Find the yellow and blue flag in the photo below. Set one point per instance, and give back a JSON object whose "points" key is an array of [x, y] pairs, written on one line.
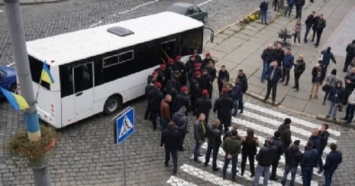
{"points": [[46, 75], [17, 101]]}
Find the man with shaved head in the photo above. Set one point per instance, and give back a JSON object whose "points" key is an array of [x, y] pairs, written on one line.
{"points": [[267, 57]]}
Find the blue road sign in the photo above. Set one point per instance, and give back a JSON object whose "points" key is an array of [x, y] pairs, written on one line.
{"points": [[124, 125]]}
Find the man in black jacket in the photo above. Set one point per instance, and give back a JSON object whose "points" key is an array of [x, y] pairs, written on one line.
{"points": [[180, 66], [170, 89], [350, 54], [199, 135], [293, 159], [265, 158], [170, 141], [276, 141], [309, 24], [195, 89], [321, 24], [244, 82], [205, 81], [203, 105], [323, 136], [148, 89], [334, 158], [162, 75], [300, 67], [264, 5], [214, 142], [308, 161], [299, 5], [154, 99], [182, 99], [180, 120], [285, 131], [175, 80], [222, 75], [212, 72], [314, 26], [279, 54], [223, 106], [267, 56]]}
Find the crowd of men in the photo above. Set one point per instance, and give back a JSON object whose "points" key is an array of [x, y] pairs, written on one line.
{"points": [[175, 89]]}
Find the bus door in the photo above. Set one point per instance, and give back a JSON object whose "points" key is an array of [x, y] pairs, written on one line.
{"points": [[83, 90], [168, 50]]}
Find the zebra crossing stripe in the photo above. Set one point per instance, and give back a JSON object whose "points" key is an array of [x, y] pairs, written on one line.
{"points": [[267, 130], [276, 123], [283, 116], [175, 181], [204, 175]]}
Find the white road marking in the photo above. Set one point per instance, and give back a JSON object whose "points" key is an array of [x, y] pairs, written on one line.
{"points": [[175, 181], [139, 6], [96, 24], [205, 2], [277, 124], [283, 116], [268, 130], [204, 175]]}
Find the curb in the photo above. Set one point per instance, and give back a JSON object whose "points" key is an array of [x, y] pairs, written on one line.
{"points": [[337, 122], [261, 98], [34, 2]]}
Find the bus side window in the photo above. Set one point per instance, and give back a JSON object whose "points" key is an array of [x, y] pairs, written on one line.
{"points": [[66, 80], [83, 77]]}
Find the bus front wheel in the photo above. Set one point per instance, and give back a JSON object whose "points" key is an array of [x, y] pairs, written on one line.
{"points": [[112, 104]]}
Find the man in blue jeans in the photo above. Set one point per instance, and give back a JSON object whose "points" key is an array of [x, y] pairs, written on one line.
{"points": [[267, 56], [214, 141], [265, 157], [334, 158], [199, 135], [231, 146], [289, 8], [308, 161], [293, 158], [264, 6]]}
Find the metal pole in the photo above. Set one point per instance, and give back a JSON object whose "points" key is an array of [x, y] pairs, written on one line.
{"points": [[41, 175], [124, 163]]}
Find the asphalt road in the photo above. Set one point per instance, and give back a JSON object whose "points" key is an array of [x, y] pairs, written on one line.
{"points": [[45, 20]]}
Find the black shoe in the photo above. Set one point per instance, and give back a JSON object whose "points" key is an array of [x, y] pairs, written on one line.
{"points": [[174, 172], [344, 118], [327, 116], [223, 177], [216, 169], [282, 80], [197, 161], [312, 40], [285, 84], [181, 149], [273, 102], [334, 119], [241, 112], [187, 132], [305, 41], [262, 81], [296, 90], [320, 171], [204, 164], [315, 45], [200, 155], [293, 87], [166, 164], [274, 179], [252, 175]]}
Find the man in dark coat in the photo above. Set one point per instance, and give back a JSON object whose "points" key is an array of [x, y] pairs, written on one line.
{"points": [[211, 70], [274, 73], [199, 135], [195, 89], [279, 54], [151, 77], [287, 64], [293, 159], [265, 157], [182, 99], [235, 95], [180, 66], [327, 55], [300, 67], [350, 54], [267, 56], [190, 66], [223, 74], [244, 82], [169, 69], [181, 120], [264, 6], [170, 141], [223, 106], [334, 158], [308, 161], [276, 141], [205, 81], [148, 89], [321, 24], [207, 60], [309, 23], [314, 26], [214, 142], [299, 6], [169, 89], [323, 136], [175, 80], [203, 105], [349, 84], [285, 131], [162, 75], [154, 99]]}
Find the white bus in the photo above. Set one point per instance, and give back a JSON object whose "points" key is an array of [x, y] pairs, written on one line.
{"points": [[98, 69]]}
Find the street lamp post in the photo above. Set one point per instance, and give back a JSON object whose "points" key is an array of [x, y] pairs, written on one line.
{"points": [[40, 170]]}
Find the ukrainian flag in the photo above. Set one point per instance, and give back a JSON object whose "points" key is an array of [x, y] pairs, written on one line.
{"points": [[46, 75], [17, 101]]}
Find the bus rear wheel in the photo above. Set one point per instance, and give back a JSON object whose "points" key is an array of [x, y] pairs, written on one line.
{"points": [[112, 104]]}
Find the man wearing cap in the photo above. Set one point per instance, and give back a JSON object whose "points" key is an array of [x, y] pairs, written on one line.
{"points": [[154, 99], [162, 75], [276, 141], [207, 60], [182, 99], [148, 89], [223, 74], [203, 105], [195, 88], [151, 77], [190, 66], [274, 73], [180, 66], [285, 131], [293, 159], [223, 106]]}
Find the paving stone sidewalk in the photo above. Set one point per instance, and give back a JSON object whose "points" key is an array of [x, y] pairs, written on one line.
{"points": [[240, 47]]}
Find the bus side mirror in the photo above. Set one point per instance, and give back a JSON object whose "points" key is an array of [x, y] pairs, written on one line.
{"points": [[212, 38]]}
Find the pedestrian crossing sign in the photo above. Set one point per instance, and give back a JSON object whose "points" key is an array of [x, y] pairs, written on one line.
{"points": [[124, 125]]}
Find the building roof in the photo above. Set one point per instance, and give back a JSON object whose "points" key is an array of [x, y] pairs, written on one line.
{"points": [[82, 44]]}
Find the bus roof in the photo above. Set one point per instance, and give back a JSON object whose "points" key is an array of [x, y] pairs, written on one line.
{"points": [[82, 44]]}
